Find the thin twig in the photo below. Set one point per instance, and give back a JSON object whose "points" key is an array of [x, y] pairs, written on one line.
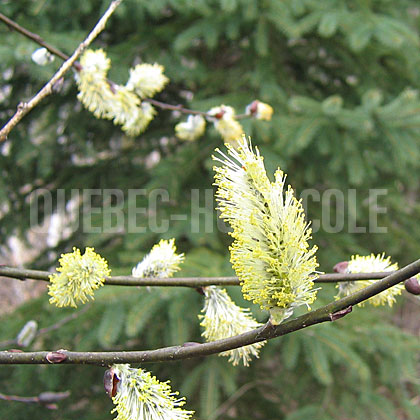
{"points": [[23, 274], [180, 108], [45, 398], [55, 326], [24, 108], [62, 321], [53, 50], [189, 350], [34, 37], [235, 397]]}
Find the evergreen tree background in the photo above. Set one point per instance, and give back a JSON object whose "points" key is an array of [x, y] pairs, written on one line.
{"points": [[343, 79]]}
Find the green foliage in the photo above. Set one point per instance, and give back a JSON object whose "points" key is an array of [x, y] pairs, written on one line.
{"points": [[343, 80]]}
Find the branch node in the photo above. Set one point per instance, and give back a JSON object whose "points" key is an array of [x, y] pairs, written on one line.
{"points": [[58, 85], [267, 328], [22, 106]]}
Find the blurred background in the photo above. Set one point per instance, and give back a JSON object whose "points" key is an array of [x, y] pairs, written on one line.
{"points": [[343, 79]]}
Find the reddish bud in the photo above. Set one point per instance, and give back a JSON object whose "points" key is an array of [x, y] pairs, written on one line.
{"points": [[253, 107], [219, 114], [340, 314], [341, 267], [56, 356], [190, 344], [412, 285], [110, 382], [77, 66]]}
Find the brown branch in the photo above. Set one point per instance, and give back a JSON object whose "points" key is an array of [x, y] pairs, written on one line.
{"points": [[23, 274], [53, 50], [24, 108], [45, 398], [62, 321], [55, 326], [180, 108], [34, 37], [189, 350], [235, 397]]}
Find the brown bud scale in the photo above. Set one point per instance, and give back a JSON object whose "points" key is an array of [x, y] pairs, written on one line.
{"points": [[341, 267], [111, 382], [56, 356], [412, 285]]}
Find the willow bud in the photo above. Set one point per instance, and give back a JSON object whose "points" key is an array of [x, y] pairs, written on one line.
{"points": [[341, 267], [110, 382], [412, 285]]}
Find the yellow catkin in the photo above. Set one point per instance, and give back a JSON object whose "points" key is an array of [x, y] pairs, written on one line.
{"points": [[270, 253], [223, 319], [370, 264], [79, 276]]}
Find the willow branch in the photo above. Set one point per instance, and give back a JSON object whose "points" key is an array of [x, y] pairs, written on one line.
{"points": [[182, 109], [330, 312], [32, 36], [45, 398], [179, 108], [25, 274], [55, 51], [23, 108], [57, 325], [235, 397]]}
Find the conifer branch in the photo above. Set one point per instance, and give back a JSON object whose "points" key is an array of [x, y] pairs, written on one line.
{"points": [[25, 274], [329, 312], [25, 107]]}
